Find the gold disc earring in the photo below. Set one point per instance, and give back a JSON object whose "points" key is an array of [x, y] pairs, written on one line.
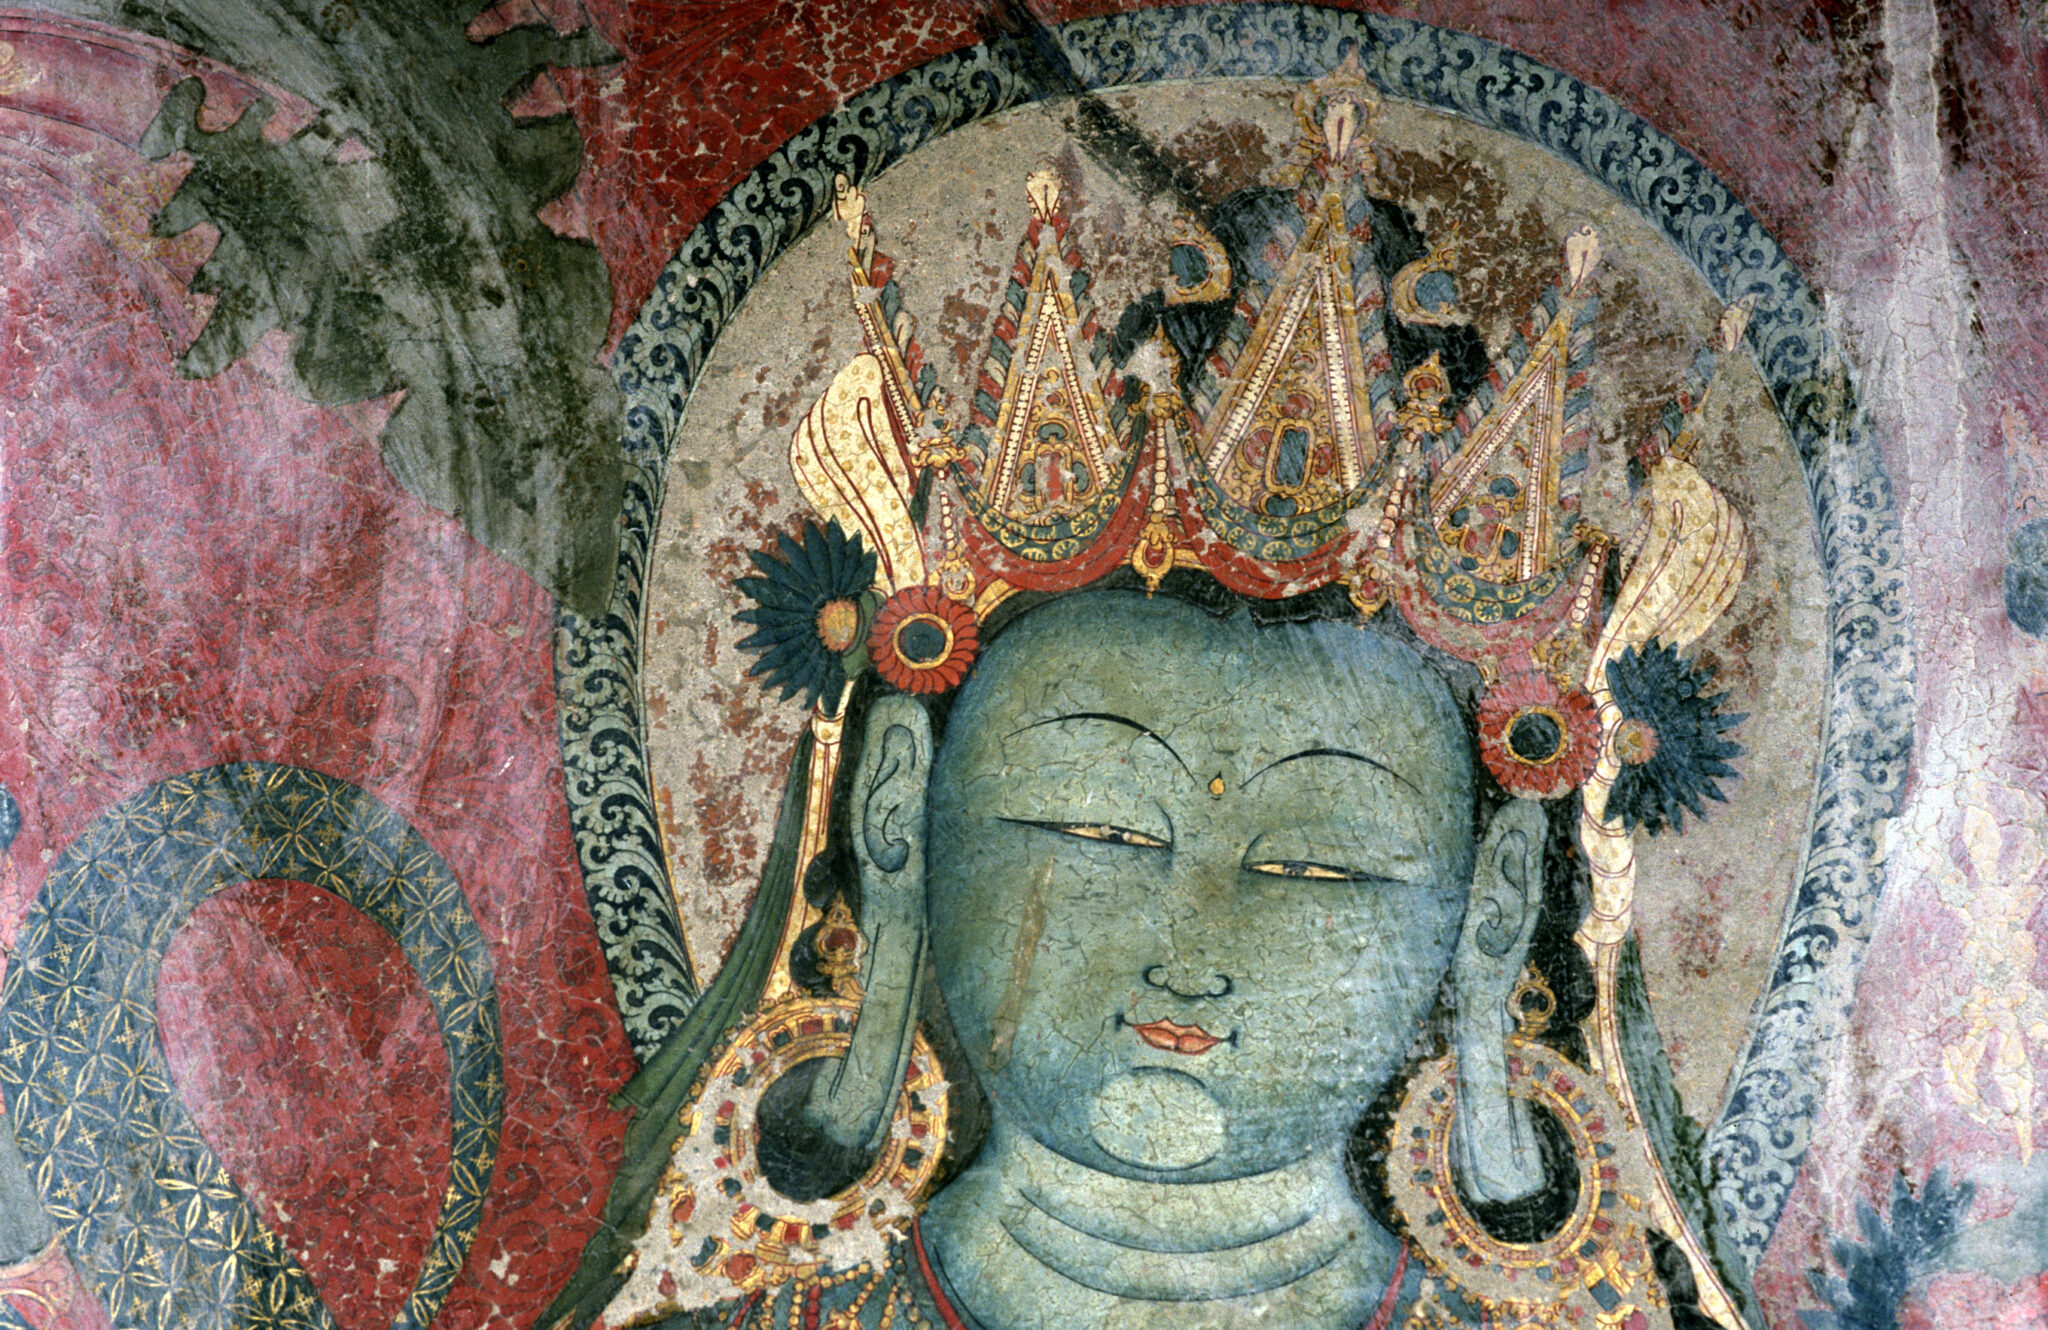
{"points": [[719, 1228], [1594, 1272]]}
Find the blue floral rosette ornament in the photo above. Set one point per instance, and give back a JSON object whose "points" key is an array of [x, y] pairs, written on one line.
{"points": [[810, 614], [1672, 739]]}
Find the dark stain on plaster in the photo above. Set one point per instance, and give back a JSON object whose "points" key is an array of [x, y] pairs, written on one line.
{"points": [[1151, 173], [1957, 95], [1224, 154], [413, 263]]}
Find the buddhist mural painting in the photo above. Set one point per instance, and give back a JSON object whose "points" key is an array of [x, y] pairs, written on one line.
{"points": [[1240, 699], [1258, 669]]}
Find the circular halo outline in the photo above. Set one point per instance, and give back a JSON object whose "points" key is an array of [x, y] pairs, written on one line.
{"points": [[1761, 1133]]}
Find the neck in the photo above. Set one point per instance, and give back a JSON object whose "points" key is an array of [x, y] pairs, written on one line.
{"points": [[1029, 1237]]}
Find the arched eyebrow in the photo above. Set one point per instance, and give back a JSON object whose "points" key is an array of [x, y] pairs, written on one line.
{"points": [[1330, 752], [1125, 721]]}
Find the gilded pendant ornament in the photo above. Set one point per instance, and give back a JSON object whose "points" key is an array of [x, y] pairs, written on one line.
{"points": [[717, 1213], [1594, 1272]]}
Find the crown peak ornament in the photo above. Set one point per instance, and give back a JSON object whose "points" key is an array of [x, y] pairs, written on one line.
{"points": [[1304, 444], [1581, 254], [1289, 453], [1042, 187], [1336, 111]]}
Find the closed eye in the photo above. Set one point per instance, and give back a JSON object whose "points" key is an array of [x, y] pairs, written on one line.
{"points": [[1296, 868], [1101, 831]]}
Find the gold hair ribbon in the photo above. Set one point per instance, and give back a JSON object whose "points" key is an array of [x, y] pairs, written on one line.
{"points": [[851, 468], [1689, 556]]}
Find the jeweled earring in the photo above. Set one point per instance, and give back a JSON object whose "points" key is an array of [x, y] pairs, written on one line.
{"points": [[718, 1227], [1595, 1270]]}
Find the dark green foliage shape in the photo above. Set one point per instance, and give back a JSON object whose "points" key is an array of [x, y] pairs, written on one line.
{"points": [[1897, 1251], [1680, 1143], [422, 267]]}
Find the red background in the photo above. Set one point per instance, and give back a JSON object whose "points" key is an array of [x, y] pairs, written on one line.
{"points": [[204, 572]]}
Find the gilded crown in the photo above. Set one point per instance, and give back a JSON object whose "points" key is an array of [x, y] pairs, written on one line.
{"points": [[1291, 453], [1286, 450]]}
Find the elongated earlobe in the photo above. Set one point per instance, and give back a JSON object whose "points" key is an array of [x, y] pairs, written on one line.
{"points": [[848, 1108], [1507, 896], [1497, 1144], [890, 790]]}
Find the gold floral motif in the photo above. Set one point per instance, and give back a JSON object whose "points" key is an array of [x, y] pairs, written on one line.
{"points": [[1425, 390], [16, 74], [1401, 298]]}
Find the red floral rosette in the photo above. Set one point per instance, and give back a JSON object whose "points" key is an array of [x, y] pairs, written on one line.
{"points": [[923, 641], [1537, 739]]}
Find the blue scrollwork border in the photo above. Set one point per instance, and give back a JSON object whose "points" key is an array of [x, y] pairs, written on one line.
{"points": [[1762, 1133]]}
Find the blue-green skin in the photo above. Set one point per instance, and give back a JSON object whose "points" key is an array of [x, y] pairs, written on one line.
{"points": [[1329, 980], [1071, 877]]}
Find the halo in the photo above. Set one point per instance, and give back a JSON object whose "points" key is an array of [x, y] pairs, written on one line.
{"points": [[1761, 1136]]}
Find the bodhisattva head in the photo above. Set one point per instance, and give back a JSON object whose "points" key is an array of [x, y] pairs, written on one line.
{"points": [[1194, 882]]}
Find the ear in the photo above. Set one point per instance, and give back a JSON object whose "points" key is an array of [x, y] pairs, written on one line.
{"points": [[889, 796], [1505, 902], [1498, 1156]]}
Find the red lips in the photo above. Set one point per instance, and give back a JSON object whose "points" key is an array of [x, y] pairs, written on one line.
{"points": [[1189, 1039]]}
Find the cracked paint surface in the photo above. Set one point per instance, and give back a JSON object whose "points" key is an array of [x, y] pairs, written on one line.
{"points": [[208, 571]]}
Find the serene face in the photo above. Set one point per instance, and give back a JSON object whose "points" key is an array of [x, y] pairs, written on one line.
{"points": [[1194, 882]]}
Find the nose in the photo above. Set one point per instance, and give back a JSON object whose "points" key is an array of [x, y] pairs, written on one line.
{"points": [[1186, 985]]}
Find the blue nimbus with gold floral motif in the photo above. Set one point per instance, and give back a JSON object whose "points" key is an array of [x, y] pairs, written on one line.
{"points": [[158, 1228]]}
